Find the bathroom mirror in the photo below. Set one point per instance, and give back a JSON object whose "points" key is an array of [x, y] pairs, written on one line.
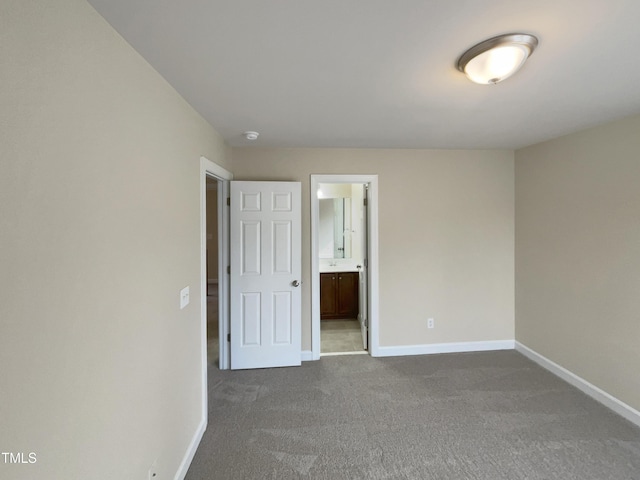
{"points": [[335, 227]]}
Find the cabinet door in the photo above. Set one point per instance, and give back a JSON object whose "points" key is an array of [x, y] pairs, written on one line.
{"points": [[327, 294], [347, 294]]}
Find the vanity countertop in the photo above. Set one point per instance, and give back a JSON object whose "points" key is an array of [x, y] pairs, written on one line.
{"points": [[337, 268]]}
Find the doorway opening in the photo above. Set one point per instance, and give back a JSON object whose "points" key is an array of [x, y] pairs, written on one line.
{"points": [[214, 254], [212, 288], [344, 264], [342, 244]]}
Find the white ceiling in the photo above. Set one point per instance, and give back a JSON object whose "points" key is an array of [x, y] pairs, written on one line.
{"points": [[381, 73]]}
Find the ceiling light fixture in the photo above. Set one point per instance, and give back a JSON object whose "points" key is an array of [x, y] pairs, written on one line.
{"points": [[493, 60], [251, 135]]}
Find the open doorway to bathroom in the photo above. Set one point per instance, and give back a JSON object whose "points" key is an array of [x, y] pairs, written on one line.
{"points": [[342, 257], [362, 264]]}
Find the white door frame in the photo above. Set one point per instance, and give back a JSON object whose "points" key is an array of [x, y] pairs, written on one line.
{"points": [[372, 257], [210, 169]]}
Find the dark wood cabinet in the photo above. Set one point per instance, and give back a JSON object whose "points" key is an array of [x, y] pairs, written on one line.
{"points": [[339, 295]]}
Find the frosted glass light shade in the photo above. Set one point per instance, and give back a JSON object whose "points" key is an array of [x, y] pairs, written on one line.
{"points": [[498, 58]]}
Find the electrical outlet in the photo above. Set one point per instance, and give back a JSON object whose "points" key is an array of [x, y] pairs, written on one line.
{"points": [[184, 297], [430, 323], [153, 471]]}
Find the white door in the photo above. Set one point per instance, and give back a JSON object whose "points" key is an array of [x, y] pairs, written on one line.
{"points": [[364, 274], [265, 272]]}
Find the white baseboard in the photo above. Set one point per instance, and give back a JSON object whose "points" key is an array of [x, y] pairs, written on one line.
{"points": [[445, 348], [191, 451], [307, 355], [580, 383]]}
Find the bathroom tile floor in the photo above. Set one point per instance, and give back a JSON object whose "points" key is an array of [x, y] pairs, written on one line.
{"points": [[338, 336]]}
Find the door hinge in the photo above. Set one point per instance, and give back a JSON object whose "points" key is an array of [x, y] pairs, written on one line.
{"points": [[228, 337], [228, 201], [365, 202], [366, 263], [229, 270]]}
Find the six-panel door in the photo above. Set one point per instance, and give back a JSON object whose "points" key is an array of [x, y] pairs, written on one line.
{"points": [[266, 263]]}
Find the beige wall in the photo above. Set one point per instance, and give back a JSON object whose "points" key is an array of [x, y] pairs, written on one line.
{"points": [[578, 254], [99, 231], [446, 236]]}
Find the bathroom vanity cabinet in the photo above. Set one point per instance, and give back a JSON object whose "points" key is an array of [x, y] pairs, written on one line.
{"points": [[339, 295]]}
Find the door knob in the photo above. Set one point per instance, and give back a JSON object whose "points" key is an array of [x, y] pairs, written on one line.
{"points": [[295, 283]]}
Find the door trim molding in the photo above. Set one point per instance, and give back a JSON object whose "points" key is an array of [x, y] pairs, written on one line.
{"points": [[210, 169], [372, 180]]}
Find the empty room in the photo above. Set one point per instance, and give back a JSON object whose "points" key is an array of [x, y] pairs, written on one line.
{"points": [[359, 240]]}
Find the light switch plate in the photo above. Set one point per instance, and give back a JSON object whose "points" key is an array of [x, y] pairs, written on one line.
{"points": [[184, 297]]}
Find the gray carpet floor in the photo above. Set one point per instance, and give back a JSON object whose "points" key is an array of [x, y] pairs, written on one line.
{"points": [[490, 415]]}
